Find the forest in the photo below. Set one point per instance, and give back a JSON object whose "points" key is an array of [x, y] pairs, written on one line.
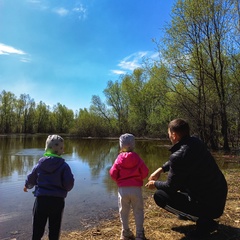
{"points": [[195, 76]]}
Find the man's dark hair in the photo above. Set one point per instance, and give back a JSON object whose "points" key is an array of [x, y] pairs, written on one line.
{"points": [[179, 126]]}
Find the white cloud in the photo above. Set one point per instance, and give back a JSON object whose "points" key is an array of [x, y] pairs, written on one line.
{"points": [[77, 10], [130, 62], [118, 72], [42, 5], [25, 60], [128, 65], [133, 61], [61, 11], [7, 50], [155, 56], [81, 11]]}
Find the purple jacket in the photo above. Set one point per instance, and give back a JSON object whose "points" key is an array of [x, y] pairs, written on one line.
{"points": [[128, 170], [52, 176]]}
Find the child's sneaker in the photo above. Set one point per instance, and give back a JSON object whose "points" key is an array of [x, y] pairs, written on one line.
{"points": [[140, 236], [127, 235]]}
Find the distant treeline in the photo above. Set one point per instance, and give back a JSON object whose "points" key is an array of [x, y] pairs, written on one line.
{"points": [[196, 76]]}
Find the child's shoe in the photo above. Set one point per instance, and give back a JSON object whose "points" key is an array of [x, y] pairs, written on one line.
{"points": [[140, 236], [127, 235]]}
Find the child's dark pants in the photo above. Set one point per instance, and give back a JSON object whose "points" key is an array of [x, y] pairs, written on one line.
{"points": [[51, 209]]}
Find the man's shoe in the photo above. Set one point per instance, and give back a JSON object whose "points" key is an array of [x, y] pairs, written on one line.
{"points": [[204, 229], [183, 218]]}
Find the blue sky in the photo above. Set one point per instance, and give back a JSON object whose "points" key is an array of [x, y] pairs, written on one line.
{"points": [[65, 51]]}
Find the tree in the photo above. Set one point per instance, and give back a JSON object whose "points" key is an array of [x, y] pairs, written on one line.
{"points": [[158, 99], [42, 118], [27, 110], [198, 43], [115, 98], [134, 88], [7, 112], [90, 124], [62, 118], [100, 108]]}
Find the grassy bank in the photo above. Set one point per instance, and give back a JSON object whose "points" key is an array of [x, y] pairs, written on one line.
{"points": [[162, 225]]}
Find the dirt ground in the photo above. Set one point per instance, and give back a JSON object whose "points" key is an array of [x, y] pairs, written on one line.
{"points": [[159, 224]]}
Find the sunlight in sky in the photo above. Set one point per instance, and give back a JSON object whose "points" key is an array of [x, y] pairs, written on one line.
{"points": [[66, 51]]}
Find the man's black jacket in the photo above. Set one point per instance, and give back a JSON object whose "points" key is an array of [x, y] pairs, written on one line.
{"points": [[191, 168]]}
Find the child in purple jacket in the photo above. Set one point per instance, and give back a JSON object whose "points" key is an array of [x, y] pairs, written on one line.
{"points": [[128, 171], [52, 179]]}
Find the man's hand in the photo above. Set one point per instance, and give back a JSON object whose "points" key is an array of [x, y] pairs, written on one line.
{"points": [[150, 184], [155, 175], [25, 189]]}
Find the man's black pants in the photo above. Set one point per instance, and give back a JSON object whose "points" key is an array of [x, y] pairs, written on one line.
{"points": [[181, 204], [51, 209]]}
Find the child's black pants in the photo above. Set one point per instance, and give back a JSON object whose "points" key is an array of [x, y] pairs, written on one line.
{"points": [[51, 209]]}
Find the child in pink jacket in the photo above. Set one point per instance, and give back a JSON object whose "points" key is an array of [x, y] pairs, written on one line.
{"points": [[128, 171]]}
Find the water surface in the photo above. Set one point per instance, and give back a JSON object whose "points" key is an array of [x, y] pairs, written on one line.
{"points": [[94, 196]]}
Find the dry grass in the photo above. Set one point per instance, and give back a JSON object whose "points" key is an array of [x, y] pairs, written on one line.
{"points": [[162, 225]]}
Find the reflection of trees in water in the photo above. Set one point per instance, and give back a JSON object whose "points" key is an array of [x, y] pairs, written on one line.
{"points": [[98, 153], [12, 156], [153, 152], [20, 153]]}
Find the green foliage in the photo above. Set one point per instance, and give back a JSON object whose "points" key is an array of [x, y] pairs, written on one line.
{"points": [[42, 118], [137, 102], [116, 99], [197, 77], [89, 124], [202, 51], [23, 115], [7, 113], [62, 118]]}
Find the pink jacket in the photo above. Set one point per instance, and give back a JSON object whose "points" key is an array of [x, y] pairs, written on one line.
{"points": [[129, 170]]}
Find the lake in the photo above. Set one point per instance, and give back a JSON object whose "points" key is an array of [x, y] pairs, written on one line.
{"points": [[94, 196]]}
